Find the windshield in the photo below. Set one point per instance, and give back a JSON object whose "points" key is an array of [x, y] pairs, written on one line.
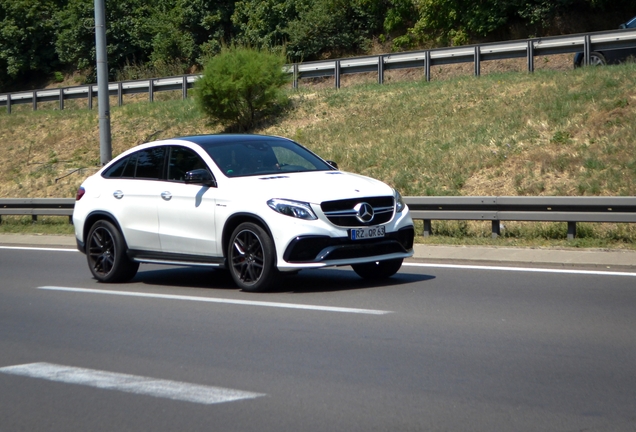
{"points": [[258, 157]]}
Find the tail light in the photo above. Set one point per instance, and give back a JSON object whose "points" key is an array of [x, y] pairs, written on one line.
{"points": [[80, 193]]}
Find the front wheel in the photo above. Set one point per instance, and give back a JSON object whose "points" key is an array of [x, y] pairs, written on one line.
{"points": [[106, 254], [597, 59], [378, 269], [252, 258]]}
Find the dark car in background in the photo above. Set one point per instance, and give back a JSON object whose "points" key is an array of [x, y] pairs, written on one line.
{"points": [[613, 56]]}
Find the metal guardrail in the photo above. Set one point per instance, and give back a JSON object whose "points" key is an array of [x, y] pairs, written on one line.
{"points": [[37, 207], [528, 48], [511, 208], [492, 208]]}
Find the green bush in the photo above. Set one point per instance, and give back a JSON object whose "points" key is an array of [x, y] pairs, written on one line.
{"points": [[241, 86]]}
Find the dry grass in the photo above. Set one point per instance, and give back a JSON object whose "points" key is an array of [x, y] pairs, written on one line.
{"points": [[555, 132]]}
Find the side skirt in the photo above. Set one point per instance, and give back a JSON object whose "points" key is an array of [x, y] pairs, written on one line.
{"points": [[175, 259]]}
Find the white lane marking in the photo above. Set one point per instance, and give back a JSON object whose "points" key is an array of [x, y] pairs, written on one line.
{"points": [[219, 300], [521, 269], [38, 248], [160, 388]]}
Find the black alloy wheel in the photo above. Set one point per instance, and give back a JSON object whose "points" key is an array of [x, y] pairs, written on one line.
{"points": [[106, 254], [379, 269], [252, 258]]}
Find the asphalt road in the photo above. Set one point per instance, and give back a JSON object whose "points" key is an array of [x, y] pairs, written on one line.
{"points": [[433, 349]]}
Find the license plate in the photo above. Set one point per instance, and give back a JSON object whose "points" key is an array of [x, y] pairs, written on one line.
{"points": [[367, 233]]}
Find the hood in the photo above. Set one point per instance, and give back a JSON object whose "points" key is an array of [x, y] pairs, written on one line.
{"points": [[312, 187]]}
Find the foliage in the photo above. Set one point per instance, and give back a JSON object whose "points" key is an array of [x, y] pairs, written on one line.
{"points": [[38, 37], [333, 28], [190, 31], [241, 85], [27, 28], [129, 33]]}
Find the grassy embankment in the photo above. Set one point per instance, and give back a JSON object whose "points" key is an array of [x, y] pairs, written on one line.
{"points": [[548, 133]]}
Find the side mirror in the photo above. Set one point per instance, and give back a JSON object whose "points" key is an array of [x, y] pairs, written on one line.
{"points": [[201, 177], [333, 164], [622, 26]]}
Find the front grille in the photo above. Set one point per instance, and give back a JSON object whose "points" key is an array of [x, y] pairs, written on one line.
{"points": [[343, 212]]}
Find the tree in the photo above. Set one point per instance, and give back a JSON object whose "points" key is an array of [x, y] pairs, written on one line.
{"points": [[27, 29], [129, 32], [242, 85]]}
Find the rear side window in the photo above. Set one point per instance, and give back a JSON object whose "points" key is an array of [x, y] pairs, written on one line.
{"points": [[144, 164], [117, 169]]}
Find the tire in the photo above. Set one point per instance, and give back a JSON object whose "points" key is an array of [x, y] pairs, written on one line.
{"points": [[597, 59], [252, 258], [378, 269], [106, 254]]}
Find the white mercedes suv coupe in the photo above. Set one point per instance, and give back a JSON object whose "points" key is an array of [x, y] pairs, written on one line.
{"points": [[257, 205]]}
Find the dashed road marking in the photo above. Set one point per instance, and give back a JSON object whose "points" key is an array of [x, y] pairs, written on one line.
{"points": [[219, 300], [141, 385]]}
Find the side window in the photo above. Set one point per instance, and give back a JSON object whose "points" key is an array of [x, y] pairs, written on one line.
{"points": [[117, 169], [129, 171], [181, 161], [150, 163], [123, 168]]}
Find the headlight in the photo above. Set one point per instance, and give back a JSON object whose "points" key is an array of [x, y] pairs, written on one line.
{"points": [[399, 202], [297, 209]]}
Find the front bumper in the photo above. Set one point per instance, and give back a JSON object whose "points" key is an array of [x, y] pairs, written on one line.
{"points": [[324, 249]]}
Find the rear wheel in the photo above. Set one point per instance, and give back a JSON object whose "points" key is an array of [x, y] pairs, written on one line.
{"points": [[252, 258], [106, 254], [378, 269]]}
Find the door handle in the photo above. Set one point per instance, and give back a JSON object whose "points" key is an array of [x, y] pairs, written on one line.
{"points": [[118, 194], [166, 195]]}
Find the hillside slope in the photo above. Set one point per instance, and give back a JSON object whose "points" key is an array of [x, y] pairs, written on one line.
{"points": [[547, 133]]}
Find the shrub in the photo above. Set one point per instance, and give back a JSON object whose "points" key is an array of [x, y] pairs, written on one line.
{"points": [[242, 85]]}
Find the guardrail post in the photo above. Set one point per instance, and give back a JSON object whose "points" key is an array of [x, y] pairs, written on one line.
{"points": [[587, 50], [571, 230], [477, 61], [61, 99], [496, 229], [8, 103], [35, 100], [381, 69], [295, 76], [34, 218], [530, 56], [90, 96], [120, 94], [336, 74], [151, 90], [428, 228], [427, 65], [184, 87]]}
